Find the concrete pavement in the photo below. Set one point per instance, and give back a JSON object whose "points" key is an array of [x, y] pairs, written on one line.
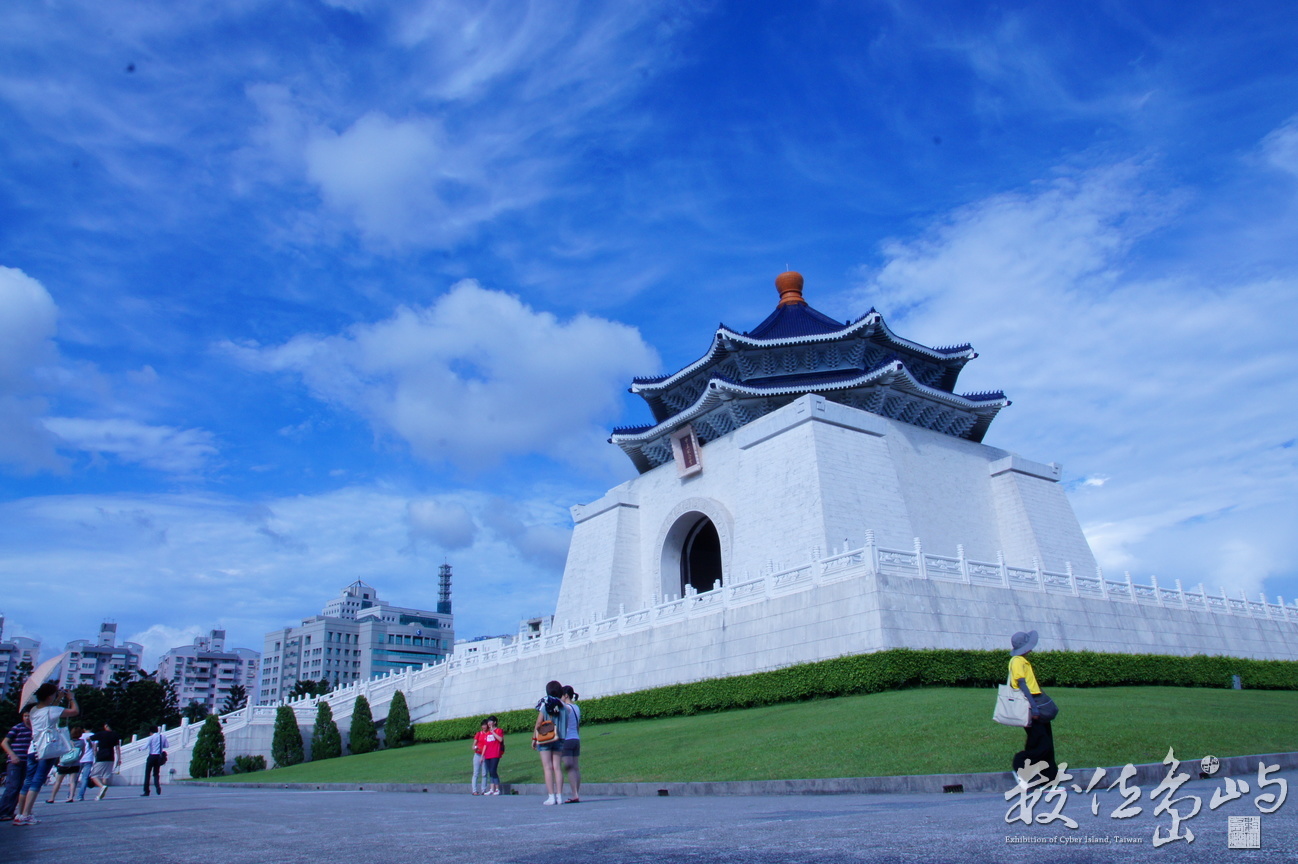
{"points": [[247, 826]]}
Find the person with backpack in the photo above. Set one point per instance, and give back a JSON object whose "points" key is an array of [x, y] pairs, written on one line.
{"points": [[492, 749], [547, 736], [571, 746], [69, 766], [48, 744]]}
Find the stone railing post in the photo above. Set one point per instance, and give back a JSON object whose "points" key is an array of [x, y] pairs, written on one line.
{"points": [[1225, 601], [1158, 594], [1005, 573], [1266, 606], [919, 560], [1180, 592], [964, 563], [1072, 579], [1104, 586], [1041, 577], [1131, 589], [871, 552]]}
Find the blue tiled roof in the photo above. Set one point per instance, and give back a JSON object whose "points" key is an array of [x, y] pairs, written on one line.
{"points": [[796, 319]]}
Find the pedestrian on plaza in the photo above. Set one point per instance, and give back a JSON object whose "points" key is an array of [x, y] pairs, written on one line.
{"points": [[479, 761], [52, 705], [571, 748], [108, 758], [87, 765], [493, 748], [1040, 746], [548, 734], [156, 759], [16, 743], [69, 767]]}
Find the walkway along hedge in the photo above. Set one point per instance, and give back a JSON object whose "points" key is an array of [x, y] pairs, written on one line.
{"points": [[896, 669]]}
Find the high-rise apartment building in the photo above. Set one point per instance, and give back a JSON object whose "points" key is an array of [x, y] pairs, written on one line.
{"points": [[13, 653], [357, 636], [95, 663], [206, 671]]}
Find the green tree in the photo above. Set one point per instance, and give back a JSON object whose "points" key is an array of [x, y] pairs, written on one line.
{"points": [[363, 738], [286, 742], [195, 711], [399, 731], [307, 687], [146, 704], [326, 741], [235, 699], [209, 750], [10, 710]]}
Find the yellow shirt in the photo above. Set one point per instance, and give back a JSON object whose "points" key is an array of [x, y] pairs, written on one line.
{"points": [[1021, 668]]}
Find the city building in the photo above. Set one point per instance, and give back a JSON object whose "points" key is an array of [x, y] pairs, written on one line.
{"points": [[528, 629], [95, 663], [13, 653], [206, 671], [357, 636]]}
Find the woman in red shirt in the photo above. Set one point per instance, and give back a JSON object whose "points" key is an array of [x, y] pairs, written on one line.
{"points": [[493, 748]]}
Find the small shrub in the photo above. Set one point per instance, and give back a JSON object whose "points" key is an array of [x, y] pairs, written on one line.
{"points": [[286, 743], [208, 759], [363, 737], [248, 764], [326, 741], [398, 724]]}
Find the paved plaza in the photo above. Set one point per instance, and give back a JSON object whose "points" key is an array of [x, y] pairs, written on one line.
{"points": [[233, 826]]}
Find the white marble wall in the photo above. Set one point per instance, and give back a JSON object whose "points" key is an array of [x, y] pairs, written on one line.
{"points": [[814, 475]]}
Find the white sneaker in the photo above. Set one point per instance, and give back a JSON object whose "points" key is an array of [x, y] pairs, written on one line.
{"points": [[549, 799]]}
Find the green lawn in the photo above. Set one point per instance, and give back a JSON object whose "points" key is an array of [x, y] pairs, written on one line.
{"points": [[925, 731]]}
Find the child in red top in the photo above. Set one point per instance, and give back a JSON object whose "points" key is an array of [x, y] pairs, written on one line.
{"points": [[493, 748], [479, 761]]}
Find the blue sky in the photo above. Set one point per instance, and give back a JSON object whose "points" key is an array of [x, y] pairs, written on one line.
{"points": [[295, 293]]}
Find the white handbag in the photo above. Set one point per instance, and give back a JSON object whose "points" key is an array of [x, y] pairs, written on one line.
{"points": [[1012, 707]]}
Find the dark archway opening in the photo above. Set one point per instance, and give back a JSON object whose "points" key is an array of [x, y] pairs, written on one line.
{"points": [[701, 557]]}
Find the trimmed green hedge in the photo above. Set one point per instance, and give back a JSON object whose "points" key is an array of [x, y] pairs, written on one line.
{"points": [[895, 670]]}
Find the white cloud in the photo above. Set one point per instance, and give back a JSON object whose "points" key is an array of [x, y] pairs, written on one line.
{"points": [[480, 121], [178, 565], [447, 524], [1171, 395], [1280, 148], [474, 378], [164, 448], [161, 638], [28, 319], [404, 181]]}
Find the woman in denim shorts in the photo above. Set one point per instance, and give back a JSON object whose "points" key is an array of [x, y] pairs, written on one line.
{"points": [[551, 709]]}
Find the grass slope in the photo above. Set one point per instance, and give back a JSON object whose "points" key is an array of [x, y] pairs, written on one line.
{"points": [[925, 731]]}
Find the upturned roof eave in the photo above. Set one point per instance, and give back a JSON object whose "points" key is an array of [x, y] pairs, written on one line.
{"points": [[712, 394], [723, 334]]}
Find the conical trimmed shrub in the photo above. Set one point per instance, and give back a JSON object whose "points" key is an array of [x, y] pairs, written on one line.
{"points": [[326, 741], [208, 759], [286, 744], [363, 738], [398, 729]]}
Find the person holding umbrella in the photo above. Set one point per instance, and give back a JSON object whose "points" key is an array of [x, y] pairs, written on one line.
{"points": [[52, 705]]}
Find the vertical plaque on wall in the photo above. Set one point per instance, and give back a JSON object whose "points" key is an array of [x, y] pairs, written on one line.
{"points": [[687, 452]]}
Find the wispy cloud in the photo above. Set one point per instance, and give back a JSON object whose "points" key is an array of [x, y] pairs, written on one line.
{"points": [[1169, 393], [177, 565]]}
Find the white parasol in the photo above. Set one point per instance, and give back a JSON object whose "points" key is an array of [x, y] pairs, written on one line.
{"points": [[38, 676]]}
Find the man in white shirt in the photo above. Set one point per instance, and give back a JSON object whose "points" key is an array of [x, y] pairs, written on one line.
{"points": [[157, 758]]}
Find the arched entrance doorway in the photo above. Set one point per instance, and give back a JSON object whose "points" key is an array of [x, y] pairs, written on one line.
{"points": [[701, 557]]}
